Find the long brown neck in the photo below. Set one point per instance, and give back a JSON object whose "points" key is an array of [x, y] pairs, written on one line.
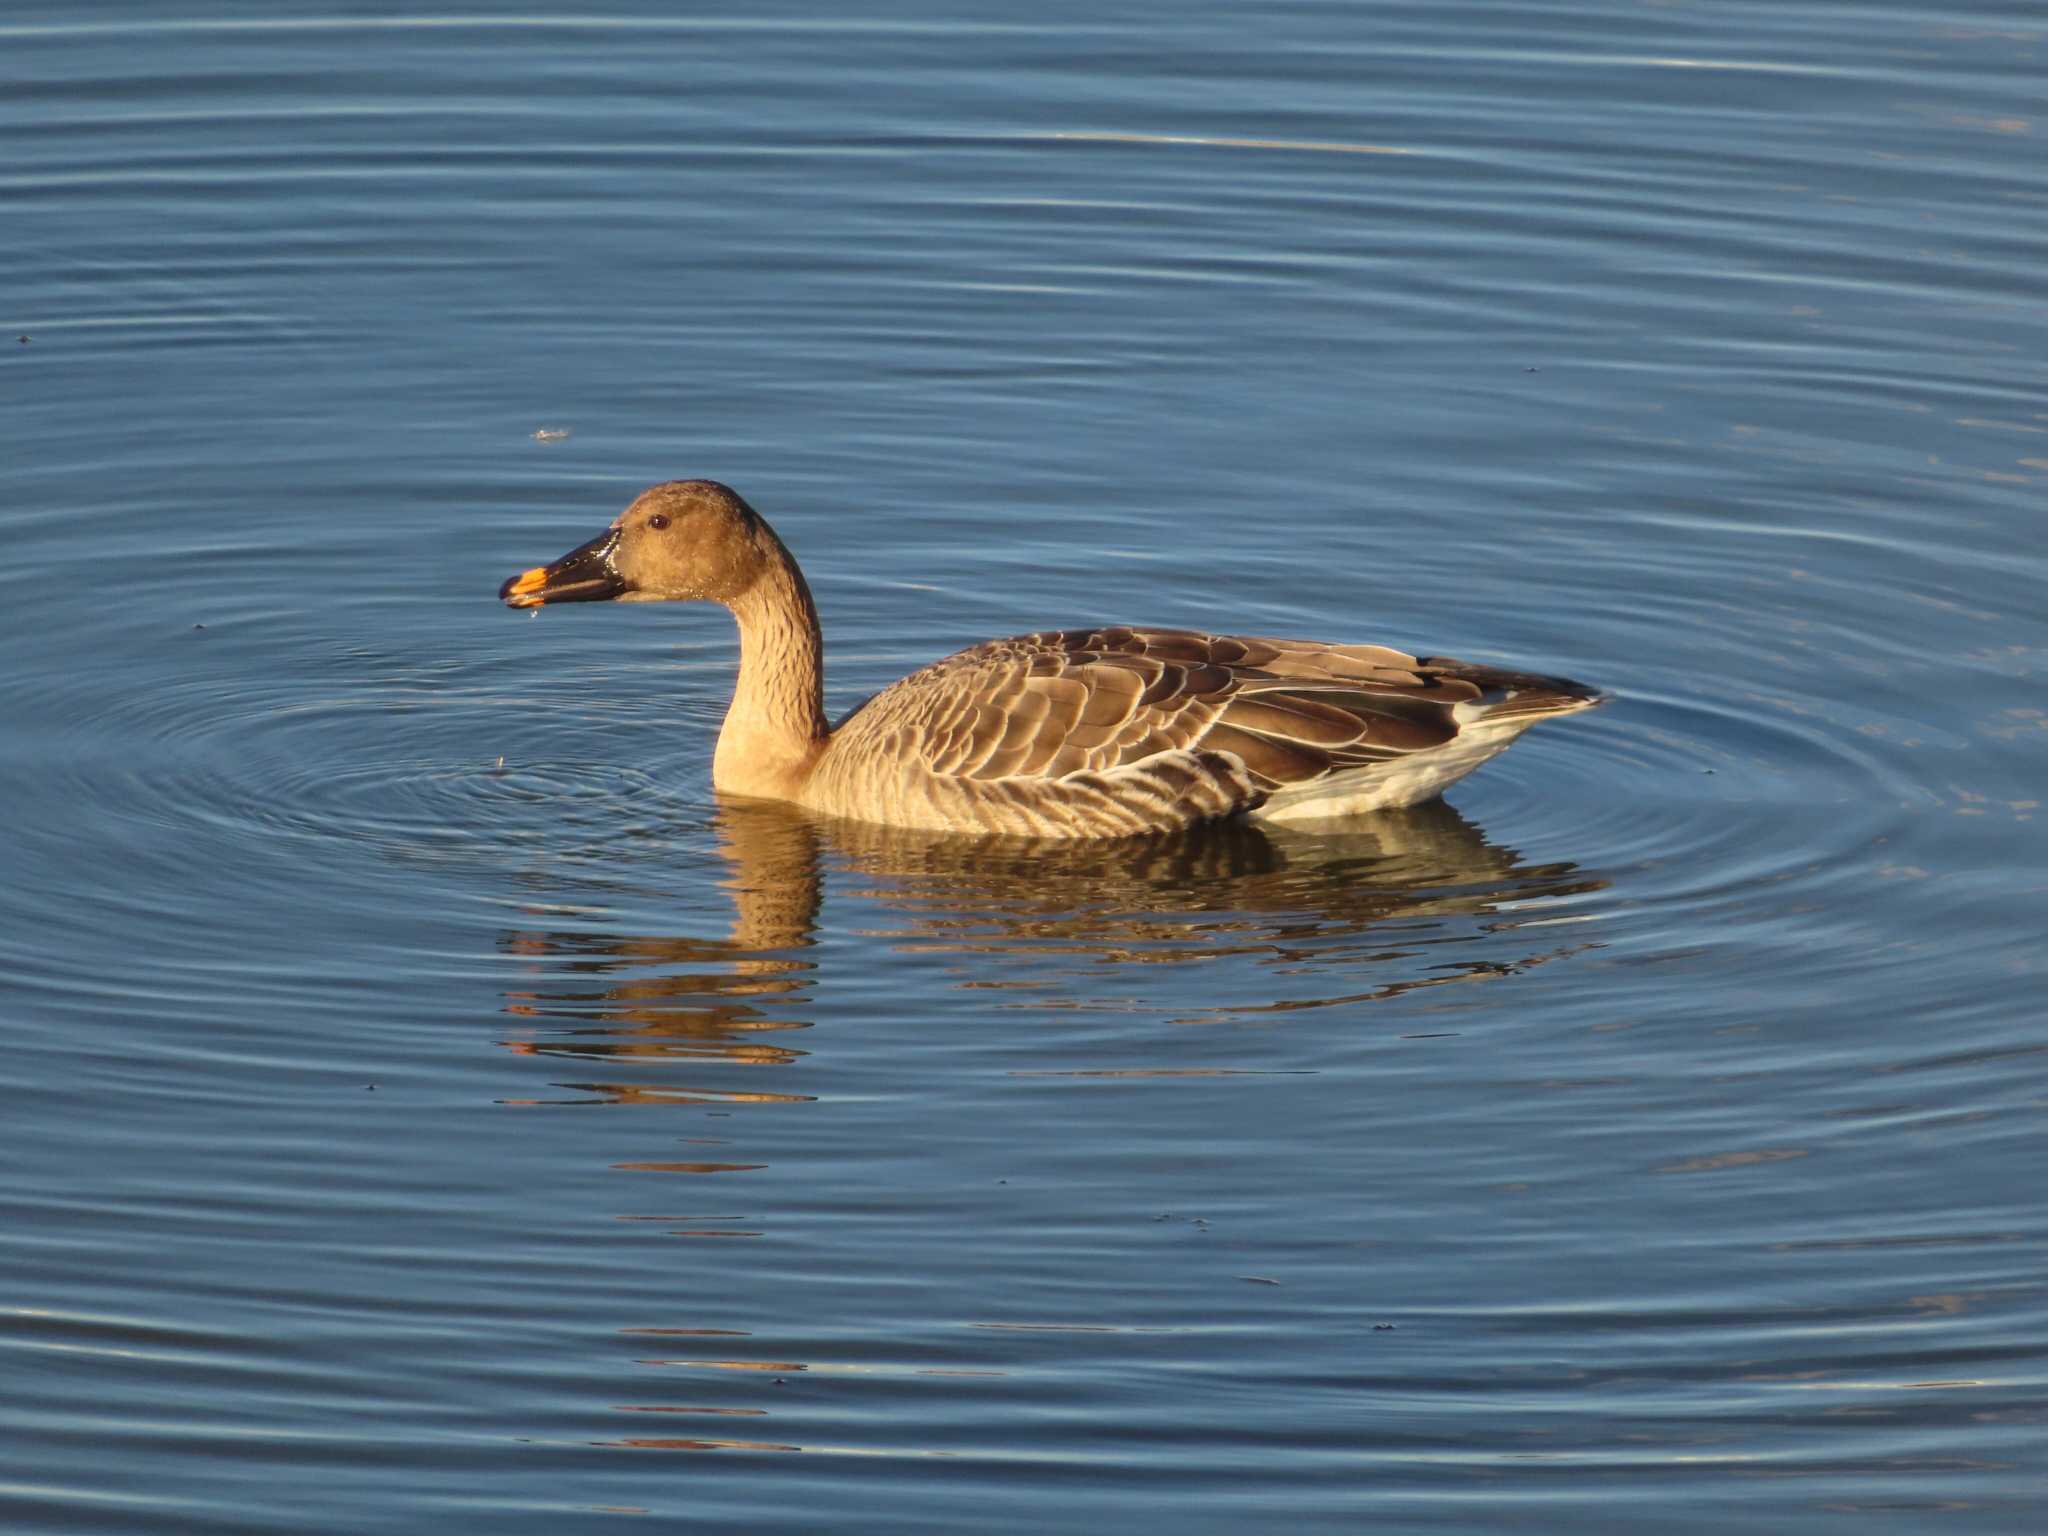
{"points": [[776, 727]]}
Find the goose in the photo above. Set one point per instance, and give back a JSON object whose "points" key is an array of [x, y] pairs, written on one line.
{"points": [[1070, 733]]}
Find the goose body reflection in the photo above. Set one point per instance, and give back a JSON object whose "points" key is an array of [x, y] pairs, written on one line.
{"points": [[1070, 734], [1411, 899]]}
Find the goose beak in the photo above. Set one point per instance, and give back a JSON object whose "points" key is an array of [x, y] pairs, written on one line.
{"points": [[584, 575]]}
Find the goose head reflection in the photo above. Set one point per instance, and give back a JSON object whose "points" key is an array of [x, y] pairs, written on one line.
{"points": [[1405, 900]]}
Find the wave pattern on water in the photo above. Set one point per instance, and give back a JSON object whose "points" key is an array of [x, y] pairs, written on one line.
{"points": [[424, 1092]]}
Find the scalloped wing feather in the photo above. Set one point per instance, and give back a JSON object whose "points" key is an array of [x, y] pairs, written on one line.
{"points": [[1158, 727]]}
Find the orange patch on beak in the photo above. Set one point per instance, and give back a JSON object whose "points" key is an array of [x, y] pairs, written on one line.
{"points": [[525, 582]]}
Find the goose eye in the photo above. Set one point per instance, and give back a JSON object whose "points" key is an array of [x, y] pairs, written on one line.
{"points": [[658, 522]]}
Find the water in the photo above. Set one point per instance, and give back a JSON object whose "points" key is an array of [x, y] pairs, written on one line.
{"points": [[429, 1108]]}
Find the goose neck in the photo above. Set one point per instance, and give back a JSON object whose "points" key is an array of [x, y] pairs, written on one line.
{"points": [[775, 727]]}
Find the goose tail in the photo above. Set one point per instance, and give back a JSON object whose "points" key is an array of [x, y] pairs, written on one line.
{"points": [[1505, 695]]}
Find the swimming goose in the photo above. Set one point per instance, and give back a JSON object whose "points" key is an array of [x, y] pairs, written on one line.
{"points": [[1068, 733]]}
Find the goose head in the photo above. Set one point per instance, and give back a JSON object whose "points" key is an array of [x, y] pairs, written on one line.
{"points": [[683, 541]]}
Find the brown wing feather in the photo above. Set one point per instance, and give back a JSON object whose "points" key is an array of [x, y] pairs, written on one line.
{"points": [[1073, 701], [1136, 728]]}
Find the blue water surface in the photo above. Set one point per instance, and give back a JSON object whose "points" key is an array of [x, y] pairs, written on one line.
{"points": [[428, 1107]]}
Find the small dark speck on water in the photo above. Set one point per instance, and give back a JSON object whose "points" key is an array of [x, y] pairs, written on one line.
{"points": [[1257, 1280], [1382, 1327], [22, 339]]}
